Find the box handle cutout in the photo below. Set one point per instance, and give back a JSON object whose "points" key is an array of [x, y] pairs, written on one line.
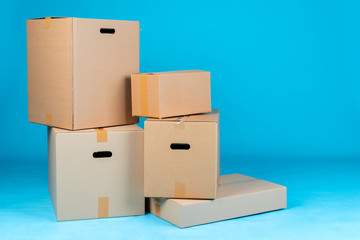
{"points": [[180, 146], [102, 154], [107, 30]]}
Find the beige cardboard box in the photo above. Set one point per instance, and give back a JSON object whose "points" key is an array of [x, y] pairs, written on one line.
{"points": [[96, 173], [238, 196], [182, 156], [79, 71], [168, 94]]}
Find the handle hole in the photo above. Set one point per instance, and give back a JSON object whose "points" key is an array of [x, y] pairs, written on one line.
{"points": [[107, 30], [180, 146], [102, 154]]}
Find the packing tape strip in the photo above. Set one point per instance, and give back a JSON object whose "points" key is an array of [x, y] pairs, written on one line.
{"points": [[144, 94], [180, 190], [47, 22], [157, 209], [101, 135], [103, 207], [48, 120]]}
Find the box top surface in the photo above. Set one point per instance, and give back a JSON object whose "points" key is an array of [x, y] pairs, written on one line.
{"points": [[131, 127], [42, 18], [213, 116], [232, 185], [176, 72]]}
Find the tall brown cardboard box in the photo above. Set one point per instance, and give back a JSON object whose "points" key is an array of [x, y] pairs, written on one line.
{"points": [[182, 156], [79, 71], [168, 94], [96, 173], [238, 196]]}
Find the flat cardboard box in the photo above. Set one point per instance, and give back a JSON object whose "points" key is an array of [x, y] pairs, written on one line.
{"points": [[182, 156], [79, 71], [168, 94], [238, 196], [96, 173]]}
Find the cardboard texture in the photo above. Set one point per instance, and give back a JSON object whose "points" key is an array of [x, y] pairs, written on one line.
{"points": [[86, 182], [189, 172], [79, 71], [238, 196], [167, 94]]}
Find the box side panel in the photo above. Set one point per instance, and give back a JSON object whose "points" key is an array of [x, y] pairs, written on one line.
{"points": [[217, 126], [145, 95], [49, 58], [169, 92], [126, 186], [184, 93], [52, 184], [76, 173], [233, 207], [180, 173], [135, 94], [167, 210], [103, 64], [195, 93], [93, 187]]}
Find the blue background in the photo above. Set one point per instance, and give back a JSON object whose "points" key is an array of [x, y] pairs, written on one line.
{"points": [[285, 75]]}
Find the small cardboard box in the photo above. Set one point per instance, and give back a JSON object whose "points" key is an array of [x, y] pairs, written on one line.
{"points": [[96, 173], [168, 94], [182, 156], [238, 196], [79, 71]]}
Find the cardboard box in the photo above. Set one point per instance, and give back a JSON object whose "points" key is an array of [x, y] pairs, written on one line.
{"points": [[238, 196], [96, 173], [182, 156], [79, 71], [167, 94]]}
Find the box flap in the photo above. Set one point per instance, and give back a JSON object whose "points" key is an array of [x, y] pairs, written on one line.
{"points": [[131, 127], [203, 117]]}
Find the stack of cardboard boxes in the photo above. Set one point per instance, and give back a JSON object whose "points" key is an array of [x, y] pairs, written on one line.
{"points": [[83, 82]]}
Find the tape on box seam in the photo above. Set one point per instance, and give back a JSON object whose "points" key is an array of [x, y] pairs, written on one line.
{"points": [[48, 120], [180, 190], [144, 94], [47, 22], [101, 135], [157, 209], [103, 207], [157, 206]]}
